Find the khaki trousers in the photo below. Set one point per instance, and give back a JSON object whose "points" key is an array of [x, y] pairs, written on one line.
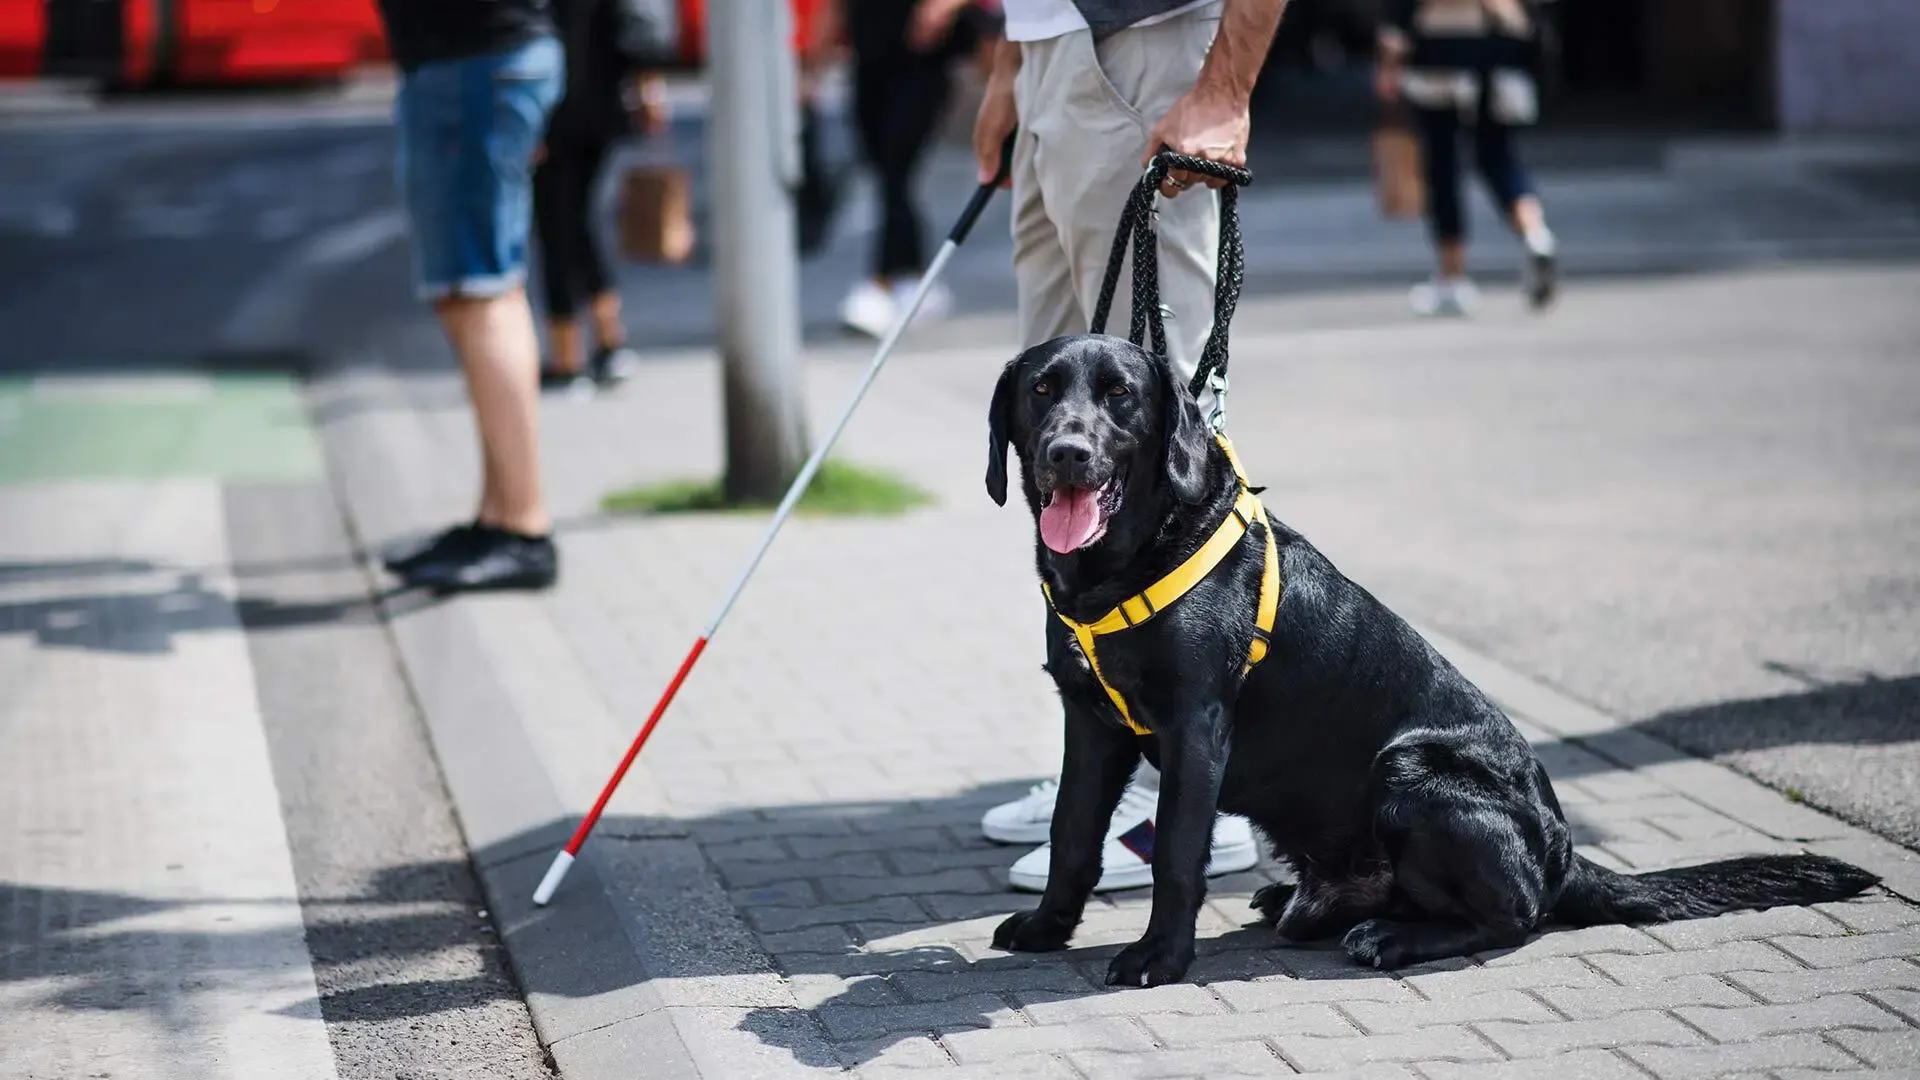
{"points": [[1085, 110]]}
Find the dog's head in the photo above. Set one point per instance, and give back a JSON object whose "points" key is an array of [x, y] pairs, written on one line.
{"points": [[1098, 423]]}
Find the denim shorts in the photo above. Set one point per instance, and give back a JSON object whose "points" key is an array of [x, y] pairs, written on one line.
{"points": [[466, 132]]}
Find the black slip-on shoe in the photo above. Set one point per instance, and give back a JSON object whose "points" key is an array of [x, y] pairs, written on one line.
{"points": [[401, 558], [496, 559]]}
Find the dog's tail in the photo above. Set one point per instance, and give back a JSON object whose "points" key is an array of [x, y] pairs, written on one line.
{"points": [[1595, 894]]}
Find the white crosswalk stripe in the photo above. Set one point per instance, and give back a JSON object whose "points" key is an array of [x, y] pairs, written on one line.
{"points": [[149, 920]]}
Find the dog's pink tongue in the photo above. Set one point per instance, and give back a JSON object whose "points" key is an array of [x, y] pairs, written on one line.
{"points": [[1069, 522]]}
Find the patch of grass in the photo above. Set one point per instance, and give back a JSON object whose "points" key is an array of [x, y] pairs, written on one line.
{"points": [[1794, 795], [839, 489]]}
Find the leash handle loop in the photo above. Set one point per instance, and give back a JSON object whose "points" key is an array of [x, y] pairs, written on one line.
{"points": [[1148, 321]]}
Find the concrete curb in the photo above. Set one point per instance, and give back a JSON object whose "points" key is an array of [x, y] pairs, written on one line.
{"points": [[597, 1009]]}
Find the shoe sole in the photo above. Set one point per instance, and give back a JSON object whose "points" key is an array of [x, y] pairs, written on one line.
{"points": [[1029, 834], [1227, 860], [1109, 882], [867, 331], [519, 582]]}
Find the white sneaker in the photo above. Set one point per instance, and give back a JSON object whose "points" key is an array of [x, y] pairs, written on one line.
{"points": [[1024, 820], [611, 367], [1444, 297], [1126, 862], [938, 304], [869, 309]]}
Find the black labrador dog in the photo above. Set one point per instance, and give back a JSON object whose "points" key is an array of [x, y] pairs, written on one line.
{"points": [[1416, 819]]}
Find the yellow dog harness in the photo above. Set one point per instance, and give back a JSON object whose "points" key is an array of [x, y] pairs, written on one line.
{"points": [[1163, 593]]}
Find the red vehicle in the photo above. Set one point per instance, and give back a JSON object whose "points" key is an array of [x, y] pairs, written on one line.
{"points": [[139, 43], [133, 43]]}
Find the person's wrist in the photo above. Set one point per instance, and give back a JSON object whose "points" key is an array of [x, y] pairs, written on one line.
{"points": [[1222, 91], [1006, 60]]}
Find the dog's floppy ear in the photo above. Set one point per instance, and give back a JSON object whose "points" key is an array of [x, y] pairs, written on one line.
{"points": [[1185, 433], [999, 432]]}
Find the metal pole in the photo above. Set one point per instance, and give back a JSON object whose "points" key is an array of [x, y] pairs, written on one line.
{"points": [[752, 148]]}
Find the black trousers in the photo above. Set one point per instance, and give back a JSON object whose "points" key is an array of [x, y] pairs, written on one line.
{"points": [[573, 270], [898, 100], [1493, 153]]}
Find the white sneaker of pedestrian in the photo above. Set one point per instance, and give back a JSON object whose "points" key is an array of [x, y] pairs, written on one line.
{"points": [[1126, 862], [938, 304], [1025, 820], [1444, 297], [616, 366], [869, 309]]}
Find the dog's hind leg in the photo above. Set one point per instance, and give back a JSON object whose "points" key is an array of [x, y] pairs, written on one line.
{"points": [[1271, 900], [1392, 943], [1471, 862], [1322, 907]]}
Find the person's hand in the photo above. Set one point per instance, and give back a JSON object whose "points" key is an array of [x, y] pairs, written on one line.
{"points": [[995, 121], [1205, 123], [650, 112], [539, 153], [1386, 82], [931, 23]]}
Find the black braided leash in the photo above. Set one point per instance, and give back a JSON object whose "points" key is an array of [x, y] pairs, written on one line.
{"points": [[1136, 225]]}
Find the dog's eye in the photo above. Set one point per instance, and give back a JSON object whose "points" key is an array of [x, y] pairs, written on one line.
{"points": [[1042, 388], [1118, 390]]}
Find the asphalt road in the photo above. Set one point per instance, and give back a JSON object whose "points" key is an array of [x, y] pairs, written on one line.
{"points": [[218, 237]]}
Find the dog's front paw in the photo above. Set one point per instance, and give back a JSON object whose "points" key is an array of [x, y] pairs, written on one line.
{"points": [[1271, 900], [1033, 931], [1150, 962], [1376, 943]]}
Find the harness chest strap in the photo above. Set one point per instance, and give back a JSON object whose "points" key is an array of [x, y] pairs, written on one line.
{"points": [[1137, 609]]}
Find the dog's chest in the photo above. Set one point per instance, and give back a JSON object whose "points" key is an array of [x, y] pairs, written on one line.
{"points": [[1081, 682]]}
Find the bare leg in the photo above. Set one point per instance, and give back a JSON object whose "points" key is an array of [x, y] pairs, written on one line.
{"points": [[494, 337], [1529, 216], [563, 340], [1453, 259], [608, 331]]}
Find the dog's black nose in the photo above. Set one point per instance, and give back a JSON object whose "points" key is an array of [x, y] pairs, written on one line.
{"points": [[1069, 451]]}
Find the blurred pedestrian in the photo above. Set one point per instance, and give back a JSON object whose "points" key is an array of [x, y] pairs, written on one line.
{"points": [[903, 53], [1469, 63], [609, 46], [477, 80], [1097, 87]]}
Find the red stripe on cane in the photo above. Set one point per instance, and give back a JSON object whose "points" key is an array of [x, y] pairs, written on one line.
{"points": [[653, 719]]}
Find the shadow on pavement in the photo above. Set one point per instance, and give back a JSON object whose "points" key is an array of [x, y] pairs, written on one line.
{"points": [[875, 918], [146, 621], [1868, 712], [72, 942]]}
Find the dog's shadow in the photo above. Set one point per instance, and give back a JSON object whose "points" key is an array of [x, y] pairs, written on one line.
{"points": [[910, 1000]]}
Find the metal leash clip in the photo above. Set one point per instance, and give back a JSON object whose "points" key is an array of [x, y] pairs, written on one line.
{"points": [[1217, 419]]}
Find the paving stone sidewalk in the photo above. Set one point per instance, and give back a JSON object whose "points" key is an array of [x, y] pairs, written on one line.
{"points": [[796, 861]]}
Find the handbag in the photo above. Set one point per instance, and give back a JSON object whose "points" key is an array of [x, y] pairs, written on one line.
{"points": [[656, 214], [1399, 186]]}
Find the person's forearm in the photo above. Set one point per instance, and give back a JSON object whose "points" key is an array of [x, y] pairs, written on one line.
{"points": [[1240, 47], [1004, 57]]}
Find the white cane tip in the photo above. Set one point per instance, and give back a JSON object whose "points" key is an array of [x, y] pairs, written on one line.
{"points": [[555, 874]]}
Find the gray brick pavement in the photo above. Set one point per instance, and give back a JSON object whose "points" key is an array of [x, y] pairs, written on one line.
{"points": [[833, 789]]}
